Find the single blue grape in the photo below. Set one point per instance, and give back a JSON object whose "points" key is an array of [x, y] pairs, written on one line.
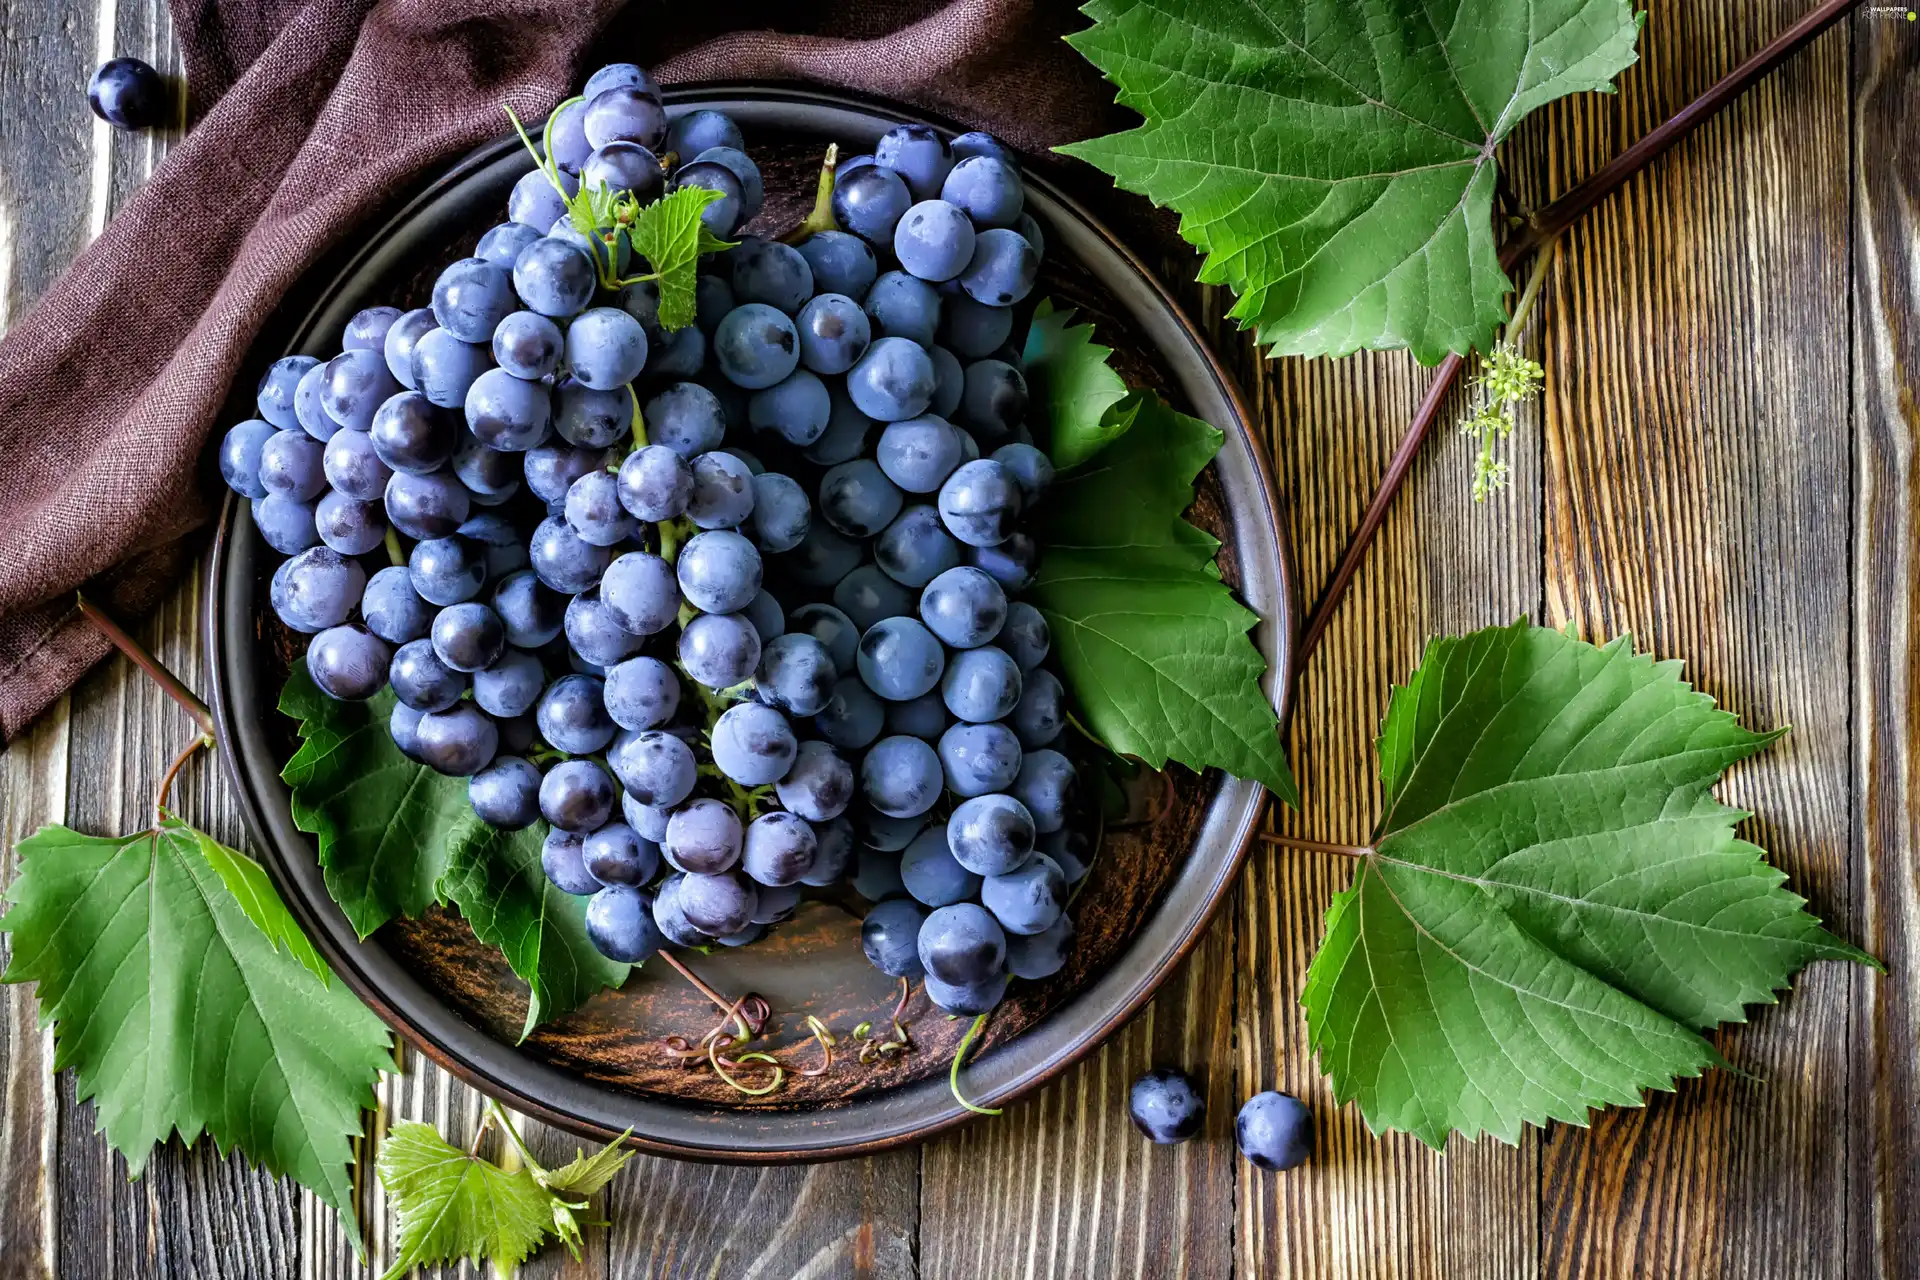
{"points": [[892, 381], [916, 153], [501, 246], [831, 628], [851, 164], [991, 834], [594, 633], [594, 511], [900, 659], [355, 384], [979, 758], [129, 94], [444, 368], [578, 796], [781, 513], [833, 856], [535, 202], [795, 674], [719, 650], [980, 503], [625, 168], [780, 849], [819, 786], [994, 399], [403, 726], [565, 561], [641, 592], [1031, 469], [722, 491], [506, 794], [348, 663], [704, 837], [974, 329], [606, 347], [1040, 955], [696, 131], [1072, 850], [853, 716], [1002, 269], [904, 307], [617, 854], [491, 476], [316, 589], [274, 396], [981, 685], [554, 278], [890, 936], [771, 272], [285, 524], [722, 904], [656, 768], [292, 465], [962, 944], [410, 433], [1046, 787], [309, 410], [447, 570], [964, 606], [1030, 229], [752, 187], [459, 742], [1011, 564], [841, 263], [403, 337], [901, 776], [572, 717], [687, 419], [670, 922], [351, 464], [797, 407], [968, 145], [777, 903], [916, 548], [240, 457], [528, 344], [756, 345], [620, 75], [869, 201], [1041, 712], [655, 484], [847, 430], [468, 636], [753, 744], [532, 613], [641, 693], [931, 875], [508, 413], [918, 454], [392, 609], [1165, 1105], [867, 596], [470, 298], [620, 924], [1274, 1131], [966, 1001], [877, 876], [987, 190], [1027, 900], [934, 241], [551, 469], [718, 571], [624, 114], [511, 686], [834, 333], [924, 717]]}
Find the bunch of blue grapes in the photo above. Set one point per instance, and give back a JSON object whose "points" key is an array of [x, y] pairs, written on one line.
{"points": [[733, 609]]}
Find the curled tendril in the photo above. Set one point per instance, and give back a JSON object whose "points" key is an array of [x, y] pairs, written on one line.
{"points": [[779, 1072], [826, 1041]]}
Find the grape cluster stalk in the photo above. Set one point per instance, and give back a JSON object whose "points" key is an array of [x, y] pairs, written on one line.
{"points": [[732, 608]]}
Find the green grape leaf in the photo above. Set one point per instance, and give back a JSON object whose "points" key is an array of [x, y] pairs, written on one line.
{"points": [[585, 1174], [395, 837], [384, 823], [1076, 393], [669, 234], [1334, 159], [494, 877], [448, 1205], [1554, 905], [1151, 643], [255, 895], [179, 1015]]}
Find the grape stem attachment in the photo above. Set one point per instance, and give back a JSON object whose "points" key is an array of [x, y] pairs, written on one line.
{"points": [[820, 217]]}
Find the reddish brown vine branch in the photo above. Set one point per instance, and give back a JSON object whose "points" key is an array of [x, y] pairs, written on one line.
{"points": [[148, 663], [1537, 232]]}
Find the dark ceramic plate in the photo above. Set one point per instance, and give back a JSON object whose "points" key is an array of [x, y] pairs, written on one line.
{"points": [[600, 1070]]}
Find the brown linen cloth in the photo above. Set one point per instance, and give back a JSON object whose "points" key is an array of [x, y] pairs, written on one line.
{"points": [[310, 116]]}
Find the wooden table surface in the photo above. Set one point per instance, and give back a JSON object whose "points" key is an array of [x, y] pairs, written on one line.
{"points": [[1722, 465]]}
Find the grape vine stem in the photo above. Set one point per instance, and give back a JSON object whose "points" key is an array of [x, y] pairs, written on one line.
{"points": [[173, 771], [1533, 237], [1314, 846], [141, 658]]}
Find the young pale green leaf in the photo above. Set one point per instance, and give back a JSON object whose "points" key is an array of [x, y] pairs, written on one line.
{"points": [[1334, 161], [1151, 643], [395, 837], [1081, 400], [669, 234], [178, 1014], [384, 823], [495, 878], [1554, 904], [449, 1206]]}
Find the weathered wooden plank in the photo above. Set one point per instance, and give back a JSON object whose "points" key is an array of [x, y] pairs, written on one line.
{"points": [[1063, 1185], [1697, 448], [1885, 1076]]}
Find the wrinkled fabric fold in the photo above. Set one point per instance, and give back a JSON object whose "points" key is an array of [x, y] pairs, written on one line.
{"points": [[309, 117]]}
